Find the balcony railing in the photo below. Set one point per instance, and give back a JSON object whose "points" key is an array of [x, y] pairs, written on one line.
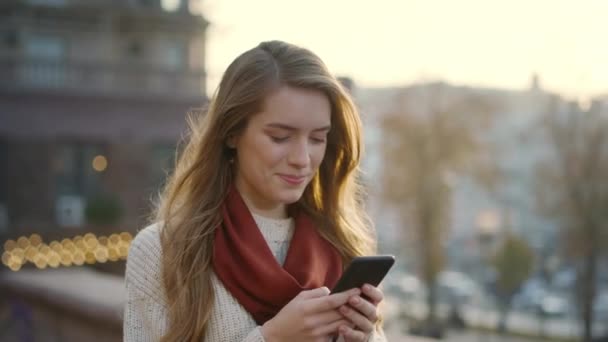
{"points": [[102, 79], [76, 304]]}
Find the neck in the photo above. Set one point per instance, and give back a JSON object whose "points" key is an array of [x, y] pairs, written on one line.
{"points": [[273, 213], [259, 207]]}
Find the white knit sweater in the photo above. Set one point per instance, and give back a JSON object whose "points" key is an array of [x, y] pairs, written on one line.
{"points": [[145, 316]]}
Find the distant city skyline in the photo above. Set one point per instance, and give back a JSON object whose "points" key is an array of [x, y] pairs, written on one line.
{"points": [[395, 43]]}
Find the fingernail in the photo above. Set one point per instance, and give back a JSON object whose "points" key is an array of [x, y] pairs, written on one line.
{"points": [[354, 300], [367, 287], [344, 309]]}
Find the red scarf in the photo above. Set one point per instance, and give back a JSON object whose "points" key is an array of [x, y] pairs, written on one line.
{"points": [[244, 263]]}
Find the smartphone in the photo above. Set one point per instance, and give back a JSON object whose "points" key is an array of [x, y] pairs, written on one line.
{"points": [[364, 270]]}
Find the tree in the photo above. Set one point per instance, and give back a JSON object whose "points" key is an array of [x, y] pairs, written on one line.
{"points": [[424, 149], [513, 264], [573, 189]]}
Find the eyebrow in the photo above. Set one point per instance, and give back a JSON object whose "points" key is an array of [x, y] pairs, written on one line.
{"points": [[291, 128]]}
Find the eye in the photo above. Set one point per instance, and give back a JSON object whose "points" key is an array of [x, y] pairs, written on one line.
{"points": [[319, 139], [279, 139]]}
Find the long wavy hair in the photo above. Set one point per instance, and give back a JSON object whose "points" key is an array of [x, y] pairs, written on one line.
{"points": [[189, 206]]}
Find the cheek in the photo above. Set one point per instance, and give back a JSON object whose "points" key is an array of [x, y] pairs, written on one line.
{"points": [[270, 155], [317, 156]]}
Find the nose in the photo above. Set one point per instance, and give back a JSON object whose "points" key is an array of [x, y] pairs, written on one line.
{"points": [[299, 154]]}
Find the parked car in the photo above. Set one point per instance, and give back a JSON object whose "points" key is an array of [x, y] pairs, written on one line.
{"points": [[556, 305], [530, 296], [600, 306]]}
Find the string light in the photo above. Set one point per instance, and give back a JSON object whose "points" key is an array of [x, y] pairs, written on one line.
{"points": [[77, 251], [99, 163], [23, 242], [9, 245], [35, 240]]}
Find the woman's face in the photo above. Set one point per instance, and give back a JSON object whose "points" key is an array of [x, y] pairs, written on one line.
{"points": [[281, 149]]}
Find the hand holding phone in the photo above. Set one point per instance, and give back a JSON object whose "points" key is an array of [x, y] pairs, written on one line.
{"points": [[364, 270]]}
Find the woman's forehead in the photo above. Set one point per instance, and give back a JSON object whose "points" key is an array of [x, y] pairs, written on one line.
{"points": [[295, 107]]}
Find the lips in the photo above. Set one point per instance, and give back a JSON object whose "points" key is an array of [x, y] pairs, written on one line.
{"points": [[293, 180]]}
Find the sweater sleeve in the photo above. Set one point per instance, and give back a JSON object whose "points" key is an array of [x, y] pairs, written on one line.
{"points": [[376, 336], [254, 336], [145, 310]]}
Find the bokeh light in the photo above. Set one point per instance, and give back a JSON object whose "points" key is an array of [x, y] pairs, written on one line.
{"points": [[77, 251], [9, 245], [99, 163]]}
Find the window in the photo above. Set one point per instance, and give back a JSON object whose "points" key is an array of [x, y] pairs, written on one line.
{"points": [[163, 159], [171, 54], [48, 47], [10, 39], [149, 2], [135, 49], [77, 169], [44, 55], [47, 2]]}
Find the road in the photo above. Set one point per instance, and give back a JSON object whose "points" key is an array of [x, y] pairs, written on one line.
{"points": [[394, 334], [520, 322]]}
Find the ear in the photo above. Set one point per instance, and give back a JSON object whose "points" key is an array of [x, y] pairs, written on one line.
{"points": [[231, 141]]}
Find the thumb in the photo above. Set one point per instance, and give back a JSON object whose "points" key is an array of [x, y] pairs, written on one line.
{"points": [[315, 293]]}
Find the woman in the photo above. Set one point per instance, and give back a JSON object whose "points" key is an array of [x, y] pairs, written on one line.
{"points": [[260, 216]]}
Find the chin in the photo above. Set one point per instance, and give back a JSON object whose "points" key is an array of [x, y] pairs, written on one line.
{"points": [[291, 196]]}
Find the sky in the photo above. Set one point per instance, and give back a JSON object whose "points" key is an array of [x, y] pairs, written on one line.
{"points": [[383, 43]]}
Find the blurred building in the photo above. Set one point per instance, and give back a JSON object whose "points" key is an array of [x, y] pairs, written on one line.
{"points": [[514, 136], [93, 96]]}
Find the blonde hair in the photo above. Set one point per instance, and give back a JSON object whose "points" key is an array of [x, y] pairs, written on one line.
{"points": [[190, 204]]}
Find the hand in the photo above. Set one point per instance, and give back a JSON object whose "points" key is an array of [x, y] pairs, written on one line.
{"points": [[362, 313], [311, 316]]}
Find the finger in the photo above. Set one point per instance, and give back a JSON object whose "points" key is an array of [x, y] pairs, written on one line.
{"points": [[373, 293], [330, 328], [314, 293], [360, 321], [323, 318], [352, 334], [330, 302], [367, 309]]}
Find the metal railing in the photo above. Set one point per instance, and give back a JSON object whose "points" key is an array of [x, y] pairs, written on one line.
{"points": [[76, 304], [94, 78]]}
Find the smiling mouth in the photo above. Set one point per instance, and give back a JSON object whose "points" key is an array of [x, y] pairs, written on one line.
{"points": [[293, 180]]}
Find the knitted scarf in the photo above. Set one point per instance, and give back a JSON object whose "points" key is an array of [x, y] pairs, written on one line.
{"points": [[246, 266]]}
